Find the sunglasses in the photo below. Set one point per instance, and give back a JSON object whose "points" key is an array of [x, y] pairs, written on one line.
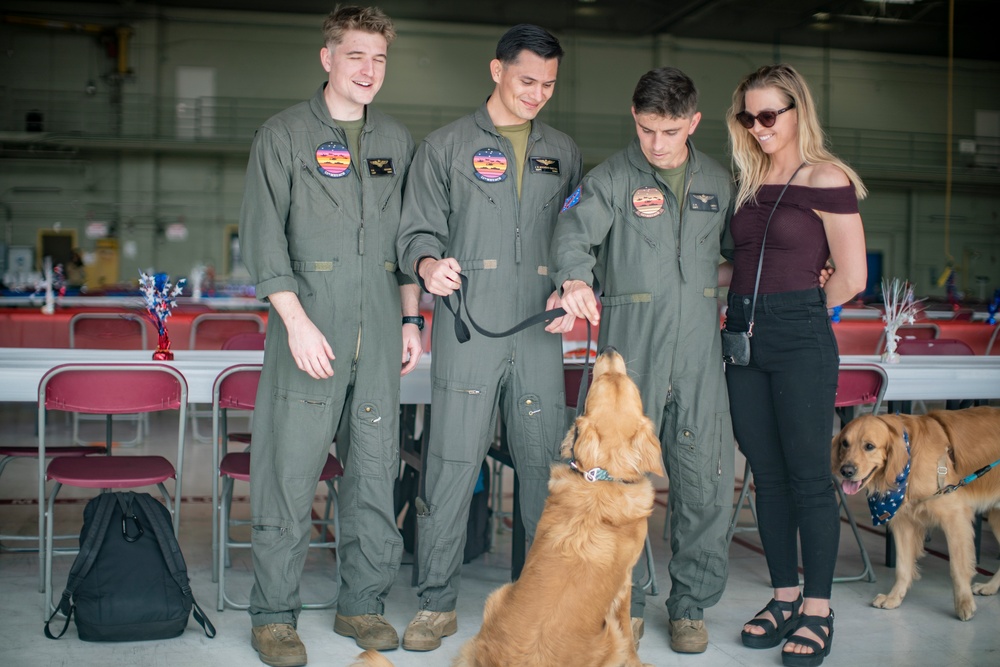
{"points": [[765, 118]]}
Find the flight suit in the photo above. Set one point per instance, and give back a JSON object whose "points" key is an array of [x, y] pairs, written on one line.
{"points": [[462, 202], [656, 260], [323, 225]]}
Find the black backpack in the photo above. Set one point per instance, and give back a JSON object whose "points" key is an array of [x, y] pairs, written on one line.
{"points": [[129, 581]]}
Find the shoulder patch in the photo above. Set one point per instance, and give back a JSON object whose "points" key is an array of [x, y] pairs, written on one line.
{"points": [[572, 200]]}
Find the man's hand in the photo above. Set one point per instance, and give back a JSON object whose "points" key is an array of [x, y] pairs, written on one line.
{"points": [[310, 349], [412, 348], [560, 325], [579, 301], [440, 276]]}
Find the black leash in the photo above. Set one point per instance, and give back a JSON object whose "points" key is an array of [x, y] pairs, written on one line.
{"points": [[463, 335]]}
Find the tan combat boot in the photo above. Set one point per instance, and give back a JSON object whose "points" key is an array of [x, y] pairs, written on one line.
{"points": [[278, 645], [425, 631], [687, 636], [370, 631]]}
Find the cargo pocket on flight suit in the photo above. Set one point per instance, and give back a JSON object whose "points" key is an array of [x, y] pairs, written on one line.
{"points": [[368, 440], [531, 430], [305, 417], [692, 487]]}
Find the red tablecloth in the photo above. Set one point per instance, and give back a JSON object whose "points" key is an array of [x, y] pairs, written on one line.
{"points": [[29, 327], [862, 336]]}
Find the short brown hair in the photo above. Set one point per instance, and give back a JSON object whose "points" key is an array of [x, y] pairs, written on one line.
{"points": [[365, 19]]}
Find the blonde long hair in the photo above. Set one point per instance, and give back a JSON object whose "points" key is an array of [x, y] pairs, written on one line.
{"points": [[750, 163]]}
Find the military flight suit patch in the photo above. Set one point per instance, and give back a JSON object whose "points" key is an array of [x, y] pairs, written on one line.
{"points": [[490, 165], [380, 166], [333, 160], [702, 202], [543, 165], [647, 202], [572, 200]]}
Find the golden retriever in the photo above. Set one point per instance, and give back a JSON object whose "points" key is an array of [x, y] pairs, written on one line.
{"points": [[870, 452], [571, 604]]}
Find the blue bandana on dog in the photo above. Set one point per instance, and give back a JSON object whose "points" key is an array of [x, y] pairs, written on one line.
{"points": [[884, 506]]}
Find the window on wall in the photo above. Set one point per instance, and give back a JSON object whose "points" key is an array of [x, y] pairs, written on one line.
{"points": [[195, 115]]}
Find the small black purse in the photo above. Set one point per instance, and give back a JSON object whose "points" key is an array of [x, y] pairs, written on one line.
{"points": [[736, 344]]}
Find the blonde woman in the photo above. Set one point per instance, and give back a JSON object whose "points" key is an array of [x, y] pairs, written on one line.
{"points": [[806, 201]]}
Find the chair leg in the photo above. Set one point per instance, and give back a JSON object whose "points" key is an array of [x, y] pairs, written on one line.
{"points": [[868, 572], [650, 583], [745, 497], [47, 606]]}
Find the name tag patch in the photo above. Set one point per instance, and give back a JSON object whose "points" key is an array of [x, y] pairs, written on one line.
{"points": [[647, 202], [490, 165], [380, 166], [333, 160], [702, 202], [543, 165]]}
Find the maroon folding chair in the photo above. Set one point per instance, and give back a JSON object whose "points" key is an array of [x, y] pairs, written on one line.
{"points": [[108, 331], [211, 331], [992, 348], [235, 388], [106, 389], [245, 340], [917, 331]]}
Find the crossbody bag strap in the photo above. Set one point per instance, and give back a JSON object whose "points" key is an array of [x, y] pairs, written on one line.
{"points": [[760, 262]]}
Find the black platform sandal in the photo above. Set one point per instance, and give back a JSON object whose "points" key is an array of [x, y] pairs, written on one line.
{"points": [[773, 634], [821, 625]]}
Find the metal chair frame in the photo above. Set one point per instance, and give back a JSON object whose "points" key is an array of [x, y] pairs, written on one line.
{"points": [[228, 394], [79, 388]]}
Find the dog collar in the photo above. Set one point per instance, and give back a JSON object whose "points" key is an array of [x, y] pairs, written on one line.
{"points": [[883, 506], [594, 474]]}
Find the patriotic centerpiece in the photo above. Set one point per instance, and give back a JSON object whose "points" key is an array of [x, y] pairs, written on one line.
{"points": [[900, 308], [160, 296]]}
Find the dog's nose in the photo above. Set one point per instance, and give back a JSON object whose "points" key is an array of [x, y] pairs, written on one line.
{"points": [[609, 348], [848, 471]]}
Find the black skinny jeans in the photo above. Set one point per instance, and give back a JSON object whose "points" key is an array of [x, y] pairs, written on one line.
{"points": [[782, 409]]}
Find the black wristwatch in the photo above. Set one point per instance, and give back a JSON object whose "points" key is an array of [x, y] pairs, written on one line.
{"points": [[414, 319]]}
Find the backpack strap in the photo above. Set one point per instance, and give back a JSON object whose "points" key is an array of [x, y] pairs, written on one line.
{"points": [[172, 555], [106, 502]]}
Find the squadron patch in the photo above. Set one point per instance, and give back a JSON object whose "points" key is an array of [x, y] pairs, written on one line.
{"points": [[703, 202], [333, 160], [490, 165], [543, 165], [380, 166], [572, 200], [647, 202]]}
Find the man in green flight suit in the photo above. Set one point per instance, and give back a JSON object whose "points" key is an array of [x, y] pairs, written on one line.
{"points": [[482, 199], [318, 231], [647, 224]]}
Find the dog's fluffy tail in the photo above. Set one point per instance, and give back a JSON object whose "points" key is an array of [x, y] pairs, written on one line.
{"points": [[371, 658]]}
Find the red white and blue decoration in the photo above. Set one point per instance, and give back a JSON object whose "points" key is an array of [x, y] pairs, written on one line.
{"points": [[160, 296]]}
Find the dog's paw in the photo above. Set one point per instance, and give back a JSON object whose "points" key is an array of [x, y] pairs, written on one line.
{"points": [[965, 609], [987, 588], [886, 601]]}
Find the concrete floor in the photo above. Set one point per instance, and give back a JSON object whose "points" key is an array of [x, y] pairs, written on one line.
{"points": [[924, 631]]}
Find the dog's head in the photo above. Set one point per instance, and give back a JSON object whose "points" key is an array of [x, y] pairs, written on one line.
{"points": [[869, 451], [613, 432]]}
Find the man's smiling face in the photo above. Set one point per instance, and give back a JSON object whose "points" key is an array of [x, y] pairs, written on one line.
{"points": [[356, 68]]}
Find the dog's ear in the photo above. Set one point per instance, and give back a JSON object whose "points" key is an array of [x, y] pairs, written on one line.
{"points": [[835, 450], [895, 453], [648, 447], [582, 442]]}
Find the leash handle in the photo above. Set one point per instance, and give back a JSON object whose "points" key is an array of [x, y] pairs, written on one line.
{"points": [[462, 330]]}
